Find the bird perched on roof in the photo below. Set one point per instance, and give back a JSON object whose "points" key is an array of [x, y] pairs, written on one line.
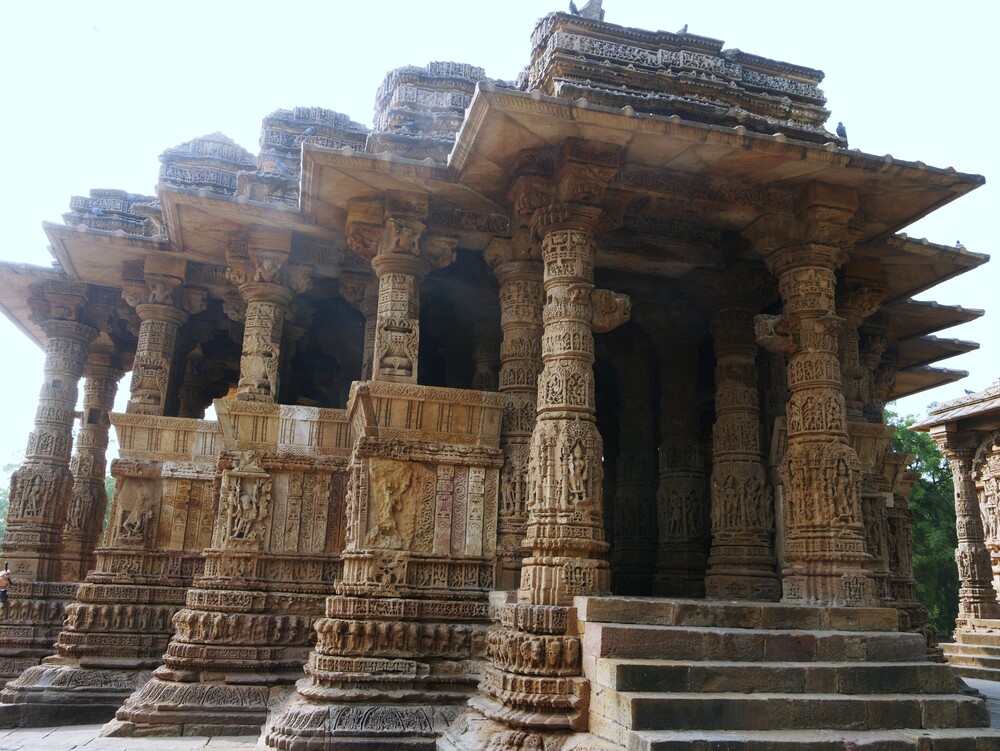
{"points": [[958, 244], [593, 10], [310, 131], [683, 29], [573, 9], [842, 131]]}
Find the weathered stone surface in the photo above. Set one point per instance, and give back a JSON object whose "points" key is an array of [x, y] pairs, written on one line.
{"points": [[505, 340]]}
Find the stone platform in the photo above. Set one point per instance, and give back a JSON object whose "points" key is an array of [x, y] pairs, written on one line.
{"points": [[693, 675]]}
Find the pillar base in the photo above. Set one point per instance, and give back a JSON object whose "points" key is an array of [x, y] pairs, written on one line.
{"points": [[363, 726], [169, 708], [47, 695]]}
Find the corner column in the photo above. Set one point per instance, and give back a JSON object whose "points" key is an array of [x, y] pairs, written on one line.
{"points": [[824, 547], [42, 486]]}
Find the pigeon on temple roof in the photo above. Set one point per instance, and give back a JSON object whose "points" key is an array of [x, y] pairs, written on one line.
{"points": [[842, 131], [573, 9], [310, 131], [683, 29]]}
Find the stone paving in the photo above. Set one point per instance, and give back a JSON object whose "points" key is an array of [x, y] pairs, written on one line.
{"points": [[85, 737]]}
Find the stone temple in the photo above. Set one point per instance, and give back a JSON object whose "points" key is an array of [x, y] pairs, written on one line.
{"points": [[548, 416]]}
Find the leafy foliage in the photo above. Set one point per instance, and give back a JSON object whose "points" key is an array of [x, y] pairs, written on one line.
{"points": [[933, 529]]}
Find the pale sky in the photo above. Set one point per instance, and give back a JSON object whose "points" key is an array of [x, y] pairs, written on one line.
{"points": [[94, 92]]}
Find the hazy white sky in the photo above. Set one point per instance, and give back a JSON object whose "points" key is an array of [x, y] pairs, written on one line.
{"points": [[94, 92]]}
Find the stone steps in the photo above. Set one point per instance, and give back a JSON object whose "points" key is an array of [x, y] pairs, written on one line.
{"points": [[732, 711], [748, 644], [699, 675], [778, 677], [813, 740], [979, 638], [743, 615]]}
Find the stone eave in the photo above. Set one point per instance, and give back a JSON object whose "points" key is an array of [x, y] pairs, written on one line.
{"points": [[911, 318], [924, 350], [912, 266], [979, 411], [15, 281], [501, 122], [200, 224], [331, 178], [914, 380], [96, 256]]}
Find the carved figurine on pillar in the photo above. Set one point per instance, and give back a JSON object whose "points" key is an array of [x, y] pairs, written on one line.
{"points": [[824, 547]]}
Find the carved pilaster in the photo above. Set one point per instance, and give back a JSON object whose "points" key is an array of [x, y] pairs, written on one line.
{"points": [[824, 546], [89, 498]]}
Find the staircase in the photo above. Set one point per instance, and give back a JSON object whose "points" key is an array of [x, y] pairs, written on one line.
{"points": [[976, 650], [694, 675]]}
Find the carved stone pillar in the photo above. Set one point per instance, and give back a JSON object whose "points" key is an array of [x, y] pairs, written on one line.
{"points": [[682, 496], [89, 498], [977, 597], [42, 486], [519, 271], [824, 546], [362, 294], [565, 525], [742, 560], [389, 232], [486, 335], [633, 554], [533, 680], [857, 298], [267, 283]]}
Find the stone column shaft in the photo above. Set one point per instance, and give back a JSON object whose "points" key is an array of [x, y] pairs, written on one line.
{"points": [[977, 597], [682, 505], [152, 371], [521, 300], [42, 485], [634, 553], [260, 361], [824, 546], [565, 527], [742, 560], [89, 498]]}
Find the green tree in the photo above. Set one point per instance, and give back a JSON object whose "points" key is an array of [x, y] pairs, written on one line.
{"points": [[933, 529]]}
